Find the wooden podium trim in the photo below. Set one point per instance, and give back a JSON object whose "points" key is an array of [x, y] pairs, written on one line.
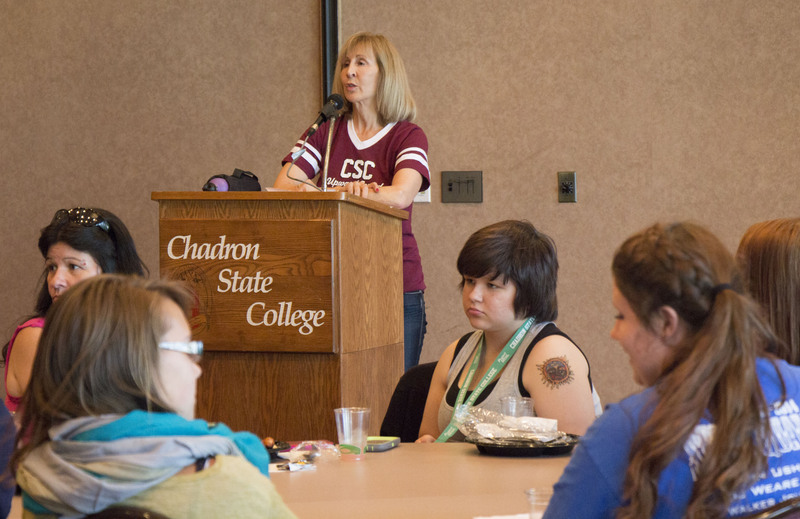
{"points": [[329, 196]]}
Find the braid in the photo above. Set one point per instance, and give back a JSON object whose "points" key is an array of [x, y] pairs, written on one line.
{"points": [[668, 274], [712, 371]]}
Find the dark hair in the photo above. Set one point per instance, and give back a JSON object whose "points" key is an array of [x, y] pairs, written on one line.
{"points": [[515, 250], [112, 249], [711, 372], [108, 242], [98, 354]]}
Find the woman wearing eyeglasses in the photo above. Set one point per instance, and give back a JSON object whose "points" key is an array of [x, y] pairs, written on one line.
{"points": [[77, 244], [109, 414]]}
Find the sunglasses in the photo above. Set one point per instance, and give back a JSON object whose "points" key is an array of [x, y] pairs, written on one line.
{"points": [[192, 348], [81, 216]]}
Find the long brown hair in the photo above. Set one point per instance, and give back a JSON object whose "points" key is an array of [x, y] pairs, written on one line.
{"points": [[712, 371], [769, 255], [98, 354]]}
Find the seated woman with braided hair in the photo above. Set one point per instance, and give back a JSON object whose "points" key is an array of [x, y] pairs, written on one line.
{"points": [[109, 414], [715, 433]]}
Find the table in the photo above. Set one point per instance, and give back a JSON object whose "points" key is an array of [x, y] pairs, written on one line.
{"points": [[431, 480]]}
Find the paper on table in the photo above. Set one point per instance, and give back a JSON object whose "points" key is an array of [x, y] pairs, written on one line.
{"points": [[290, 467]]}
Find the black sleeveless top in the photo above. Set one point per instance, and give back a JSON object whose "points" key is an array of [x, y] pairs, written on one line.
{"points": [[547, 331]]}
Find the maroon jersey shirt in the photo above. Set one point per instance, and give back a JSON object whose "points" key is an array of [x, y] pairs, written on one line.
{"points": [[397, 146]]}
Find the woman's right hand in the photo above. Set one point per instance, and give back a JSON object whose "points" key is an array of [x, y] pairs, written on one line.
{"points": [[360, 188], [425, 438]]}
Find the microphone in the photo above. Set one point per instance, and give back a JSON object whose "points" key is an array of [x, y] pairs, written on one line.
{"points": [[332, 105]]}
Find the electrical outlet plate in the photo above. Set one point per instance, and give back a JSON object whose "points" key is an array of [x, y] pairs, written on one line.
{"points": [[567, 187], [462, 187]]}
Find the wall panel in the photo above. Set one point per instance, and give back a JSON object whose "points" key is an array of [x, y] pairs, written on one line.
{"points": [[667, 110]]}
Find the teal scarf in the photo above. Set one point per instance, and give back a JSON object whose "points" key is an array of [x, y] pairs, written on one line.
{"points": [[94, 462]]}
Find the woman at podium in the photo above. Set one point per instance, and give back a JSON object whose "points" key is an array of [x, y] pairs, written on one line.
{"points": [[377, 152]]}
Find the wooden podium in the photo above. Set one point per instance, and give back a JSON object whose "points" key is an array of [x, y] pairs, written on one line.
{"points": [[300, 304]]}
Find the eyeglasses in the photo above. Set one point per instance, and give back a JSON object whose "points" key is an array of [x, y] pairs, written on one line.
{"points": [[192, 348], [81, 216]]}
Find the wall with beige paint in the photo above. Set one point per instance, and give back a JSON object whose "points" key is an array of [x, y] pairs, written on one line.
{"points": [[667, 110]]}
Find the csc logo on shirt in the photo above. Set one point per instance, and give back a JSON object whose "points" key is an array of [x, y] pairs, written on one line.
{"points": [[357, 169]]}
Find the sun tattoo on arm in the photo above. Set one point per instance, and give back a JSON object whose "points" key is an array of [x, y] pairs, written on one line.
{"points": [[555, 372]]}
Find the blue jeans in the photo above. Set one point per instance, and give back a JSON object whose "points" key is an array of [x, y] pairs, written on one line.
{"points": [[414, 325]]}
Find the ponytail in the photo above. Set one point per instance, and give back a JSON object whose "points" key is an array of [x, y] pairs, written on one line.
{"points": [[712, 373]]}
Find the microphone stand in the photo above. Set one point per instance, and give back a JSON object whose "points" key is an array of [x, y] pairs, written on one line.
{"points": [[327, 153]]}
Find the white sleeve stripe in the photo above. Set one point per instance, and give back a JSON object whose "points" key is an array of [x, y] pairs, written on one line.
{"points": [[412, 156], [415, 150], [309, 149], [312, 161], [315, 151], [311, 155]]}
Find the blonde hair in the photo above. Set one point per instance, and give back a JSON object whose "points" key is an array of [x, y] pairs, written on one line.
{"points": [[769, 255], [98, 354], [395, 102], [713, 370]]}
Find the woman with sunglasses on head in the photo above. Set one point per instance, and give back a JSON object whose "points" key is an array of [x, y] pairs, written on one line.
{"points": [[715, 434], [77, 244], [109, 413]]}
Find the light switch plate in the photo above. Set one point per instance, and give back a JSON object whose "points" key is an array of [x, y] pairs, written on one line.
{"points": [[567, 187], [462, 187]]}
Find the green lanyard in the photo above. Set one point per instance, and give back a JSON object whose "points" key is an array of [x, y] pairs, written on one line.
{"points": [[499, 363]]}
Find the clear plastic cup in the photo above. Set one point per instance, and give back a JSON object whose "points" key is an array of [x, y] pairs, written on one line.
{"points": [[516, 406], [352, 424], [538, 498]]}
